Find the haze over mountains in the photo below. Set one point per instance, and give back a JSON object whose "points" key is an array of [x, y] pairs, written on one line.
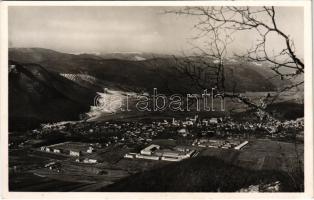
{"points": [[47, 85]]}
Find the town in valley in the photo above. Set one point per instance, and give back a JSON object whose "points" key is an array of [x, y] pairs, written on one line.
{"points": [[156, 98]]}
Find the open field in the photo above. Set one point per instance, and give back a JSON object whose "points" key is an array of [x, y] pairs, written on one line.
{"points": [[165, 142], [138, 165], [268, 154], [31, 182], [227, 155], [261, 154]]}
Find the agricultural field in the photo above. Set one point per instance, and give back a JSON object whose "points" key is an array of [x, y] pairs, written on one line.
{"points": [[268, 154], [261, 154]]}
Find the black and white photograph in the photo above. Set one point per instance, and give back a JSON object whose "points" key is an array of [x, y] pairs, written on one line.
{"points": [[145, 98]]}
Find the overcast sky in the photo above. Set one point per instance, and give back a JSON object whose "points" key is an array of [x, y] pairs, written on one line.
{"points": [[123, 29]]}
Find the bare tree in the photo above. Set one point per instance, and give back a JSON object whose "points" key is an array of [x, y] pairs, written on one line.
{"points": [[262, 20], [218, 24]]}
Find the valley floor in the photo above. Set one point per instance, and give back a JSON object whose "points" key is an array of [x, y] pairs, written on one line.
{"points": [[27, 171]]}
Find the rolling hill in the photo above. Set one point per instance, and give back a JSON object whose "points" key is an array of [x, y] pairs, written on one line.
{"points": [[37, 95]]}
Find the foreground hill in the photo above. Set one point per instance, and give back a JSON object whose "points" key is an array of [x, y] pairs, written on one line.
{"points": [[145, 74], [200, 174], [37, 95]]}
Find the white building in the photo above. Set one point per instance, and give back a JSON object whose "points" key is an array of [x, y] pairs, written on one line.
{"points": [[213, 121], [241, 145], [56, 151], [148, 150], [130, 155], [74, 153], [89, 160], [173, 159], [90, 150], [149, 157]]}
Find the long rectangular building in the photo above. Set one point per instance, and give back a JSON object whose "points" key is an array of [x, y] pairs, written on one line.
{"points": [[153, 152]]}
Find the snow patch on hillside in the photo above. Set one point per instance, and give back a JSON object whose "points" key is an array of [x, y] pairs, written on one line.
{"points": [[139, 58], [109, 102], [78, 77]]}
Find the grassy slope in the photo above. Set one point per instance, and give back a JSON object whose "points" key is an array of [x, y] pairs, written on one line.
{"points": [[200, 174]]}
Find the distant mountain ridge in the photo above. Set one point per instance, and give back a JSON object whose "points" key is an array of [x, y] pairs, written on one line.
{"points": [[145, 72], [132, 56]]}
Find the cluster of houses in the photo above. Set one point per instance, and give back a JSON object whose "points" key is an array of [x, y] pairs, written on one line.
{"points": [[223, 144], [135, 133], [272, 128], [154, 152], [81, 151], [139, 132], [298, 123], [196, 121]]}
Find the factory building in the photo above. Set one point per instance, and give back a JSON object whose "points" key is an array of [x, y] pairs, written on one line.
{"points": [[149, 157], [223, 144], [153, 152], [74, 149]]}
